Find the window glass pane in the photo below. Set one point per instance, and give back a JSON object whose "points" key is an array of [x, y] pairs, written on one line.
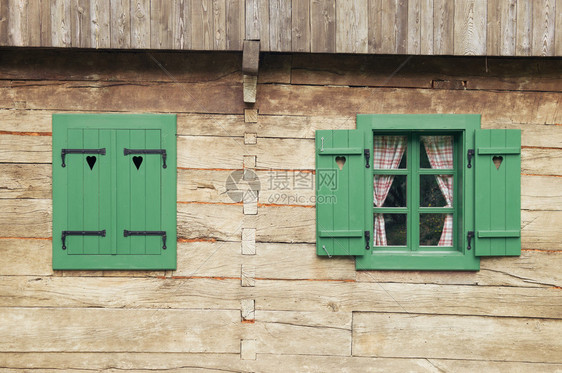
{"points": [[390, 191], [436, 152], [436, 190], [390, 230], [389, 152], [432, 228]]}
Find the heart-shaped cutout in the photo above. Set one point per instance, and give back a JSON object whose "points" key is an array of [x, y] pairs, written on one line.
{"points": [[137, 161], [340, 161], [91, 161], [497, 159]]}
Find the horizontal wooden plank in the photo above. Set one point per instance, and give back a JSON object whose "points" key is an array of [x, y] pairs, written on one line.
{"points": [[119, 330], [17, 253], [535, 107], [456, 337], [306, 333], [82, 362], [126, 292], [542, 161], [115, 361], [151, 66], [25, 181], [25, 218], [531, 269], [25, 149], [210, 97], [342, 296]]}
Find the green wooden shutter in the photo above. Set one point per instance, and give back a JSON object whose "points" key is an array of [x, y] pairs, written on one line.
{"points": [[340, 194], [497, 192], [116, 194]]}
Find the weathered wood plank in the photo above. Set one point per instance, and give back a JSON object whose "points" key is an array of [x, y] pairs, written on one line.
{"points": [[25, 149], [323, 26], [25, 218], [414, 26], [459, 337], [80, 23], [181, 32], [4, 21], [536, 232], [25, 181], [544, 19], [310, 333], [202, 25], [470, 27], [541, 161], [112, 361], [141, 23], [17, 22], [300, 31], [494, 28], [347, 296], [342, 101], [40, 329], [101, 24], [443, 26], [531, 269], [558, 29], [154, 97], [401, 27], [524, 28], [352, 26], [60, 24], [120, 24], [426, 27], [389, 17], [235, 24], [219, 25], [279, 25], [25, 257], [133, 292], [508, 27], [541, 192], [257, 22]]}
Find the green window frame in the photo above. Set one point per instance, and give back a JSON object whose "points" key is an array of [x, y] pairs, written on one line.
{"points": [[482, 225], [114, 192]]}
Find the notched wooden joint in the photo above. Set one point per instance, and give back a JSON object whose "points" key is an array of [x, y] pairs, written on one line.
{"points": [[248, 349], [251, 115], [251, 57]]}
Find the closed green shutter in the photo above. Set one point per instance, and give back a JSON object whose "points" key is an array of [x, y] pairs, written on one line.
{"points": [[497, 192], [114, 202], [341, 194]]}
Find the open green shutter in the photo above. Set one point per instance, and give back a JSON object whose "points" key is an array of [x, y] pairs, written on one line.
{"points": [[497, 192], [118, 208], [340, 194]]}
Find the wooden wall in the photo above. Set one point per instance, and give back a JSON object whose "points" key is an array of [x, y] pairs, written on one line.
{"points": [[249, 293], [426, 27]]}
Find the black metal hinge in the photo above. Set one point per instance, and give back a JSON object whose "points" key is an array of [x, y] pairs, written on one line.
{"points": [[469, 155], [469, 237], [367, 240], [64, 152], [80, 233], [367, 153], [127, 233], [148, 151]]}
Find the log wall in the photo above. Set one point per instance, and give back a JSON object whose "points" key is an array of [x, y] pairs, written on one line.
{"points": [[249, 293]]}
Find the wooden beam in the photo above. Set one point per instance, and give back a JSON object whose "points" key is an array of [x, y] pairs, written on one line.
{"points": [[251, 57]]}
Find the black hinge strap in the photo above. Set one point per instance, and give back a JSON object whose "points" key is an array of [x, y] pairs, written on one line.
{"points": [[80, 233], [367, 240], [64, 152], [148, 151], [367, 154], [469, 237], [127, 233], [469, 155]]}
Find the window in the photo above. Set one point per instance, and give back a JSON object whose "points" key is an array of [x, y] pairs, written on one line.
{"points": [[420, 192], [114, 191]]}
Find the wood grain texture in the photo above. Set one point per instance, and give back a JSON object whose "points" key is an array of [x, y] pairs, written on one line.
{"points": [[352, 26], [80, 23], [113, 330], [219, 24], [470, 27], [182, 29], [4, 21], [300, 31], [101, 26], [280, 25], [323, 26], [443, 27], [374, 334], [426, 27], [120, 24], [18, 22], [257, 22], [141, 18], [60, 24], [235, 24], [202, 25], [414, 26], [558, 29], [544, 20]]}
